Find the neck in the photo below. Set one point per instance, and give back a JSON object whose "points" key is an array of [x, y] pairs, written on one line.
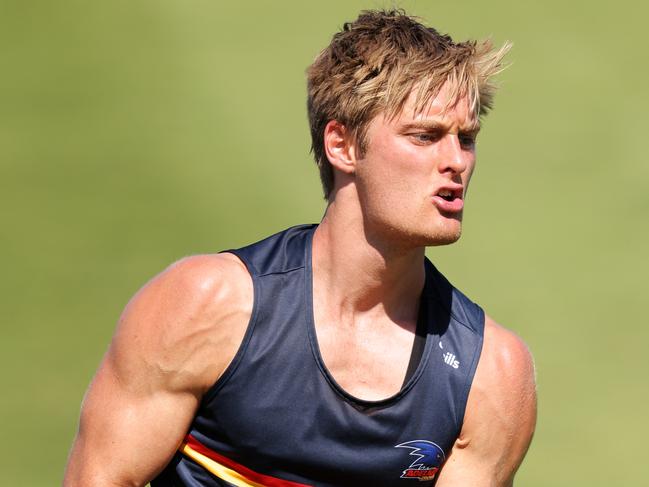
{"points": [[359, 271]]}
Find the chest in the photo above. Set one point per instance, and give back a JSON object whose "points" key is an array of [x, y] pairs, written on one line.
{"points": [[370, 361]]}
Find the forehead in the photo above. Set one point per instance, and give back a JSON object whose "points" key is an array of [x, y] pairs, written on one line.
{"points": [[441, 109]]}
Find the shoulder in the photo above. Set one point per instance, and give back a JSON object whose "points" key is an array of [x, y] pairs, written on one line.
{"points": [[505, 378], [197, 288], [500, 415], [506, 363], [185, 325], [206, 279]]}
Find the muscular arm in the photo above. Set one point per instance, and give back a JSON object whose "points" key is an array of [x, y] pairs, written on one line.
{"points": [[173, 341], [500, 415]]}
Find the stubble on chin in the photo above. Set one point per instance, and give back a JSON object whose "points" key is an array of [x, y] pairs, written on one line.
{"points": [[400, 234], [444, 239], [445, 234], [418, 236]]}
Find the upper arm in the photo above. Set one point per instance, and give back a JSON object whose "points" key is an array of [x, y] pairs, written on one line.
{"points": [[173, 341], [500, 415]]}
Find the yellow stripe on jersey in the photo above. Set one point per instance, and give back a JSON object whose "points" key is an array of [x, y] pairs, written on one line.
{"points": [[221, 471]]}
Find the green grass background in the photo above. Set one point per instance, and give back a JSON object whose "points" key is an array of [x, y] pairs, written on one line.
{"points": [[133, 133]]}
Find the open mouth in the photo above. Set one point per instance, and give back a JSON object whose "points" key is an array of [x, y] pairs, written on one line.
{"points": [[449, 200], [447, 194]]}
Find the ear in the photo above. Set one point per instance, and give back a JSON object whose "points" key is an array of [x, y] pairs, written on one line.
{"points": [[340, 147]]}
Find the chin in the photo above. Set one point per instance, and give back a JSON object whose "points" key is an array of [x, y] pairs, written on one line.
{"points": [[446, 235], [411, 233], [432, 237], [445, 239]]}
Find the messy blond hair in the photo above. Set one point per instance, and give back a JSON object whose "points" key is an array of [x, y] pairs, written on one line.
{"points": [[375, 62]]}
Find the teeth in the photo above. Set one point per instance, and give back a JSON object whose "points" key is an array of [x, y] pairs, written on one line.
{"points": [[445, 193]]}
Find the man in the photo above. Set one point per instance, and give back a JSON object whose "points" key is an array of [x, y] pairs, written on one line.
{"points": [[332, 354]]}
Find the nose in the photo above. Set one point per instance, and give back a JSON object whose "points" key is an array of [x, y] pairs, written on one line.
{"points": [[454, 158]]}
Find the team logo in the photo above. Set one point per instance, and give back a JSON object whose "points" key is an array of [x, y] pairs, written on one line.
{"points": [[430, 458]]}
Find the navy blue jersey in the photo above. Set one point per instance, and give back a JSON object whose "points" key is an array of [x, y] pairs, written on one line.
{"points": [[277, 417]]}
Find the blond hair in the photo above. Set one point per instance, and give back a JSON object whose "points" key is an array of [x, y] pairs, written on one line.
{"points": [[374, 63]]}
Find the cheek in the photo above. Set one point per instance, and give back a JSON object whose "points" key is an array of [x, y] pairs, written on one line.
{"points": [[468, 174], [393, 175], [401, 162], [393, 192]]}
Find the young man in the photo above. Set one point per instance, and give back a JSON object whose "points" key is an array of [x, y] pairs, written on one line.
{"points": [[335, 354]]}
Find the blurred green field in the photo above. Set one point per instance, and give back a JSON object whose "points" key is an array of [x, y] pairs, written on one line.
{"points": [[135, 133]]}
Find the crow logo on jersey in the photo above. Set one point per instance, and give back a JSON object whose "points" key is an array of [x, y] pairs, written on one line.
{"points": [[428, 462]]}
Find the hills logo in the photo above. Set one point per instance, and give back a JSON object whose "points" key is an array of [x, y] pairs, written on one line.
{"points": [[449, 358]]}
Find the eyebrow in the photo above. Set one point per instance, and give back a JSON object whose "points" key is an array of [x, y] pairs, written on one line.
{"points": [[432, 126]]}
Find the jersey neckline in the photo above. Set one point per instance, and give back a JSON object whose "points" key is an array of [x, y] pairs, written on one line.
{"points": [[315, 347]]}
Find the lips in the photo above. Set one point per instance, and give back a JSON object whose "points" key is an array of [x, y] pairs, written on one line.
{"points": [[449, 199]]}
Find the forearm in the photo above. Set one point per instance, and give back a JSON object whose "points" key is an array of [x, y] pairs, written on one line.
{"points": [[86, 470], [91, 466]]}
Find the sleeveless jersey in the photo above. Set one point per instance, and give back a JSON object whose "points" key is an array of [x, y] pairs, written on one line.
{"points": [[276, 417]]}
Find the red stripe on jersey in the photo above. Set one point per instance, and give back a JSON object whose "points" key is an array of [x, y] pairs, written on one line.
{"points": [[267, 480]]}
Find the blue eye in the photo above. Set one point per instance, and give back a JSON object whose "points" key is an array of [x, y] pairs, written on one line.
{"points": [[467, 141], [425, 137]]}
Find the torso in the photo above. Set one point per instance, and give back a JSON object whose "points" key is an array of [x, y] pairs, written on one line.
{"points": [[308, 403]]}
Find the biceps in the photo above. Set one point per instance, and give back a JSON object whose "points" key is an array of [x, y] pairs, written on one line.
{"points": [[492, 454], [126, 435], [464, 467]]}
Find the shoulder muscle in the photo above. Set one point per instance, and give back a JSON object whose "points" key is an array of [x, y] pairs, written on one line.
{"points": [[173, 340], [183, 327]]}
